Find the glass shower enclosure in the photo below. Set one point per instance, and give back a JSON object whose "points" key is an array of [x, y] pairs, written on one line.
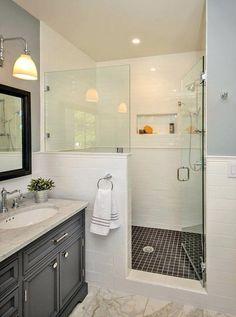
{"points": [[192, 170], [87, 110]]}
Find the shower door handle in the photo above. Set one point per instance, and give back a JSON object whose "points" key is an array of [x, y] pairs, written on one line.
{"points": [[198, 164], [184, 168]]}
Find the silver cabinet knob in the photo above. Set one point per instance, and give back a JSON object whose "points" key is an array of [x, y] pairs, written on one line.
{"points": [[54, 265], [66, 254]]}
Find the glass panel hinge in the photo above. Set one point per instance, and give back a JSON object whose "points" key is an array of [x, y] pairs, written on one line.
{"points": [[203, 76], [203, 266]]}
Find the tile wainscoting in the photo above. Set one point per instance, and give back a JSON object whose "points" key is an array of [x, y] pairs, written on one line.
{"points": [[108, 258], [221, 234], [157, 195]]}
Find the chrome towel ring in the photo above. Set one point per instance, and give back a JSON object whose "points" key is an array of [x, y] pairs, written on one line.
{"points": [[107, 178]]}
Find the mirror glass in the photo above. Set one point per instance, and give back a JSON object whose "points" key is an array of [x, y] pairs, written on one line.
{"points": [[15, 132], [10, 133]]}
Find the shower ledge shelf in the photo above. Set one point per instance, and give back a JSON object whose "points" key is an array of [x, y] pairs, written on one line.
{"points": [[158, 121]]}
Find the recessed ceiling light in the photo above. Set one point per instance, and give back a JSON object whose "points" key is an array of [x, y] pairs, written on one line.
{"points": [[153, 69], [136, 41]]}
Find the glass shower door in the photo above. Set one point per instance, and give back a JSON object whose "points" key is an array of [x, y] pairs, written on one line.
{"points": [[191, 174]]}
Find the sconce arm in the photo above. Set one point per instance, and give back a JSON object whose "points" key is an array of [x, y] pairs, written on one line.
{"points": [[3, 40]]}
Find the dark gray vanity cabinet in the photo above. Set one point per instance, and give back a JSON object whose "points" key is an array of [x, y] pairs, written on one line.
{"points": [[41, 291], [9, 290], [71, 269], [46, 278], [9, 305]]}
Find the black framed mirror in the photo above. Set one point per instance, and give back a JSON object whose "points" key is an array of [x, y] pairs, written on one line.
{"points": [[15, 132]]}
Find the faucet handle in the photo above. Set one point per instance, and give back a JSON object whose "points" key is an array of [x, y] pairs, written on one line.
{"points": [[15, 203], [3, 191]]}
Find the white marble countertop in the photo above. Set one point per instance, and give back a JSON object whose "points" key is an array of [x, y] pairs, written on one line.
{"points": [[13, 240]]}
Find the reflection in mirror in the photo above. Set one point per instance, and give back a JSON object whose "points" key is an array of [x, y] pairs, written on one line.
{"points": [[15, 132], [10, 132]]}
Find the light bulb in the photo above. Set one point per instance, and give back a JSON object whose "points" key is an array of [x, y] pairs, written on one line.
{"points": [[92, 95], [122, 107], [136, 41]]}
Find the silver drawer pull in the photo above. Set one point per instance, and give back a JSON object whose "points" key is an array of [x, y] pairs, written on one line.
{"points": [[66, 254], [54, 265], [61, 238]]}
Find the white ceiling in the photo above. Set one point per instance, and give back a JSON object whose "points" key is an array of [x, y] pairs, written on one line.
{"points": [[104, 28]]}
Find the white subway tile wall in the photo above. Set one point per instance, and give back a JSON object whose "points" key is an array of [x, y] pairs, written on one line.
{"points": [[107, 258], [157, 195], [221, 232], [76, 177]]}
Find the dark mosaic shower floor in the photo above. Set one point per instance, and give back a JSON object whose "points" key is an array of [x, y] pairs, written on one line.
{"points": [[168, 257]]}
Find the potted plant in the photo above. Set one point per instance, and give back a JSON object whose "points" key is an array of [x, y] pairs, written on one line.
{"points": [[40, 186]]}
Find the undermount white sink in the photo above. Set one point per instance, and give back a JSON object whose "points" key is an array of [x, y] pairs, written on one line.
{"points": [[28, 218]]}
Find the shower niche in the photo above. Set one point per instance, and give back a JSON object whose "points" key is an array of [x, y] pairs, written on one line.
{"points": [[158, 124]]}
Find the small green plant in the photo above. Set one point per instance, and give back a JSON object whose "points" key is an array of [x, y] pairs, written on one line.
{"points": [[39, 184]]}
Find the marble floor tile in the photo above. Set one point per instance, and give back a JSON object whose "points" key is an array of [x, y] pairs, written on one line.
{"points": [[111, 304], [210, 313], [108, 303], [154, 306], [167, 310], [92, 292], [193, 312]]}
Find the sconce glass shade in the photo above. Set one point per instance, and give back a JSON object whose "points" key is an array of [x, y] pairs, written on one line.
{"points": [[92, 95], [24, 68], [122, 107]]}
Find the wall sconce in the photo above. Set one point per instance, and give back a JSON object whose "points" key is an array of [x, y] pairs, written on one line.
{"points": [[92, 95], [24, 67], [122, 108]]}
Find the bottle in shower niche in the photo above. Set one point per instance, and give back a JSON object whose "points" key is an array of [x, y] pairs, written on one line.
{"points": [[172, 128]]}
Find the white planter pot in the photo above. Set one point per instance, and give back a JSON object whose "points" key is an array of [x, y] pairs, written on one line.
{"points": [[41, 196]]}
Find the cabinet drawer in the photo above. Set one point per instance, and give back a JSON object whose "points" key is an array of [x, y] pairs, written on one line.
{"points": [[9, 305], [8, 275], [51, 242]]}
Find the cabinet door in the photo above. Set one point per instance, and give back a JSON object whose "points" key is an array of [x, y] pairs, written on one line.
{"points": [[9, 305], [41, 291], [71, 268]]}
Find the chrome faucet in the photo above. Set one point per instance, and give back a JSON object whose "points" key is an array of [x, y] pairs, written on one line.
{"points": [[4, 194]]}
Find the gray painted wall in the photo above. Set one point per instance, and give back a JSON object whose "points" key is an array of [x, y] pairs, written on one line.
{"points": [[221, 72], [14, 21]]}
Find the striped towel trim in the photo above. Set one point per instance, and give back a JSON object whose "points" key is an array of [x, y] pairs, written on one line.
{"points": [[100, 224], [101, 219]]}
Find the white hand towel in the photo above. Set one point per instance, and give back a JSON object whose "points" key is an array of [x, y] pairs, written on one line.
{"points": [[115, 223], [101, 219]]}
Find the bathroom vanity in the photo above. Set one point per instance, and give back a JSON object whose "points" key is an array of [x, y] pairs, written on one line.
{"points": [[42, 266]]}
